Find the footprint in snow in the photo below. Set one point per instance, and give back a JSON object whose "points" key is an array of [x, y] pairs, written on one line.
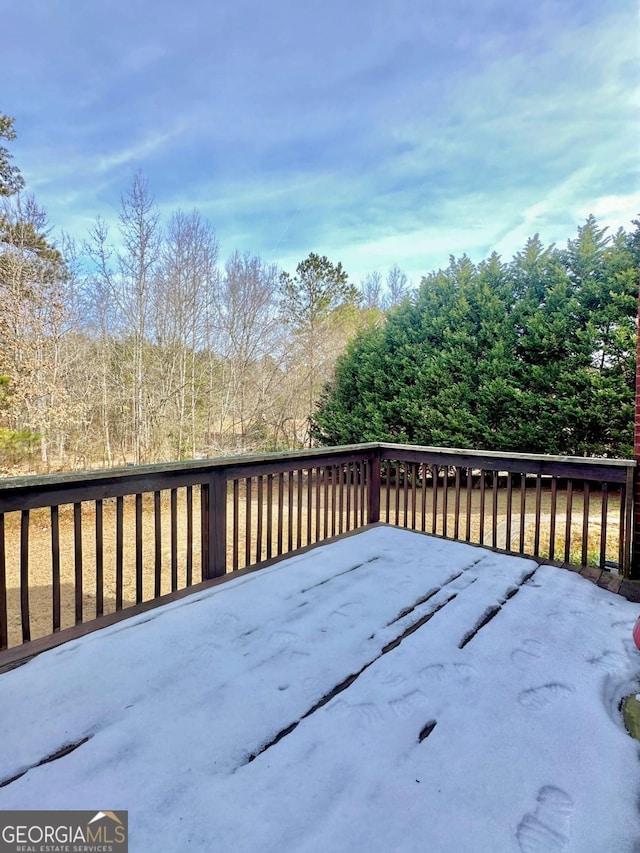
{"points": [[538, 698], [453, 672], [528, 652], [365, 712], [282, 639], [609, 661], [547, 830], [405, 705]]}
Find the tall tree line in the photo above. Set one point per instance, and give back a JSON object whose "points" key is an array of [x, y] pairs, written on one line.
{"points": [[537, 354], [138, 345]]}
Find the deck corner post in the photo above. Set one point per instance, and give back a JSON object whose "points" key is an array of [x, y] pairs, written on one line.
{"points": [[632, 570], [373, 497], [216, 533]]}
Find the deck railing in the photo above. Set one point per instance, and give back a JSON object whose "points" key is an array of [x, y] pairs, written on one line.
{"points": [[81, 550]]}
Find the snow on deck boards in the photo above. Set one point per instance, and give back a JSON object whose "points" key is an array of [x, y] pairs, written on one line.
{"points": [[387, 692]]}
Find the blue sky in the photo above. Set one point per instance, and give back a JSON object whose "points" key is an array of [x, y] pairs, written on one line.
{"points": [[375, 132]]}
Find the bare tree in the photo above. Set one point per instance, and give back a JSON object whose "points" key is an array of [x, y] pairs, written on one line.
{"points": [[34, 318], [397, 287], [184, 303], [249, 346]]}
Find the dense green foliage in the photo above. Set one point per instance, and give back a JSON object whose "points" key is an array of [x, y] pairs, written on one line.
{"points": [[10, 178], [535, 355]]}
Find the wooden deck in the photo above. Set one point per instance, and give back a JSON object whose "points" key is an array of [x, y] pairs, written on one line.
{"points": [[355, 696]]}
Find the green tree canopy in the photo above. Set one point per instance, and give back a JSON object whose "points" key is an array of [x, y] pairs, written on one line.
{"points": [[10, 178], [534, 355]]}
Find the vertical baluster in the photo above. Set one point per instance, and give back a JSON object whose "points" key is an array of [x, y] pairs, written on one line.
{"points": [[318, 503], [334, 480], [341, 498], [348, 475], [119, 550], [623, 527], [309, 503], [189, 508], [24, 576], [174, 539], [236, 531], [325, 493], [77, 548], [554, 512], [247, 521], [388, 493], [414, 477], [99, 560], [585, 523], [204, 530], [139, 595], [55, 567], [260, 518], [269, 516], [603, 524], [494, 509], [300, 488], [434, 498], [467, 531], [507, 539], [290, 497], [456, 520], [523, 508], [4, 633], [280, 509], [567, 529], [157, 544], [483, 485], [405, 494], [423, 497], [536, 532], [445, 499]]}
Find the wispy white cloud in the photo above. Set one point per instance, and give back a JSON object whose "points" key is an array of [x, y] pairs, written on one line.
{"points": [[371, 132]]}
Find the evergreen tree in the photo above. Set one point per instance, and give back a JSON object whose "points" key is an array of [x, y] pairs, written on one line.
{"points": [[537, 356]]}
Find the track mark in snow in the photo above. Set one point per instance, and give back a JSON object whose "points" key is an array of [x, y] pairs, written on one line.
{"points": [[528, 652], [405, 705], [346, 610], [339, 574], [423, 599], [426, 730], [547, 830], [563, 615], [609, 661], [348, 681], [439, 672], [59, 753], [365, 712], [537, 698], [282, 639], [489, 614], [223, 619], [389, 679]]}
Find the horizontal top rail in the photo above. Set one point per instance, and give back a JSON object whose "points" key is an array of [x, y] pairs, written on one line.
{"points": [[580, 467], [32, 492]]}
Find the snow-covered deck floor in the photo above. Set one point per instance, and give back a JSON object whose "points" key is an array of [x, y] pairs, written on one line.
{"points": [[210, 719]]}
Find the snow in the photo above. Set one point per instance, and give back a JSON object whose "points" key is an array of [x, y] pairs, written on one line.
{"points": [[528, 752]]}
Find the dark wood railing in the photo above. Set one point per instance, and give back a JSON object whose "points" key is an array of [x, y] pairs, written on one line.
{"points": [[87, 549]]}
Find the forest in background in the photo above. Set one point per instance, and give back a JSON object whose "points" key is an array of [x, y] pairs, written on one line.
{"points": [[534, 355], [137, 344]]}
